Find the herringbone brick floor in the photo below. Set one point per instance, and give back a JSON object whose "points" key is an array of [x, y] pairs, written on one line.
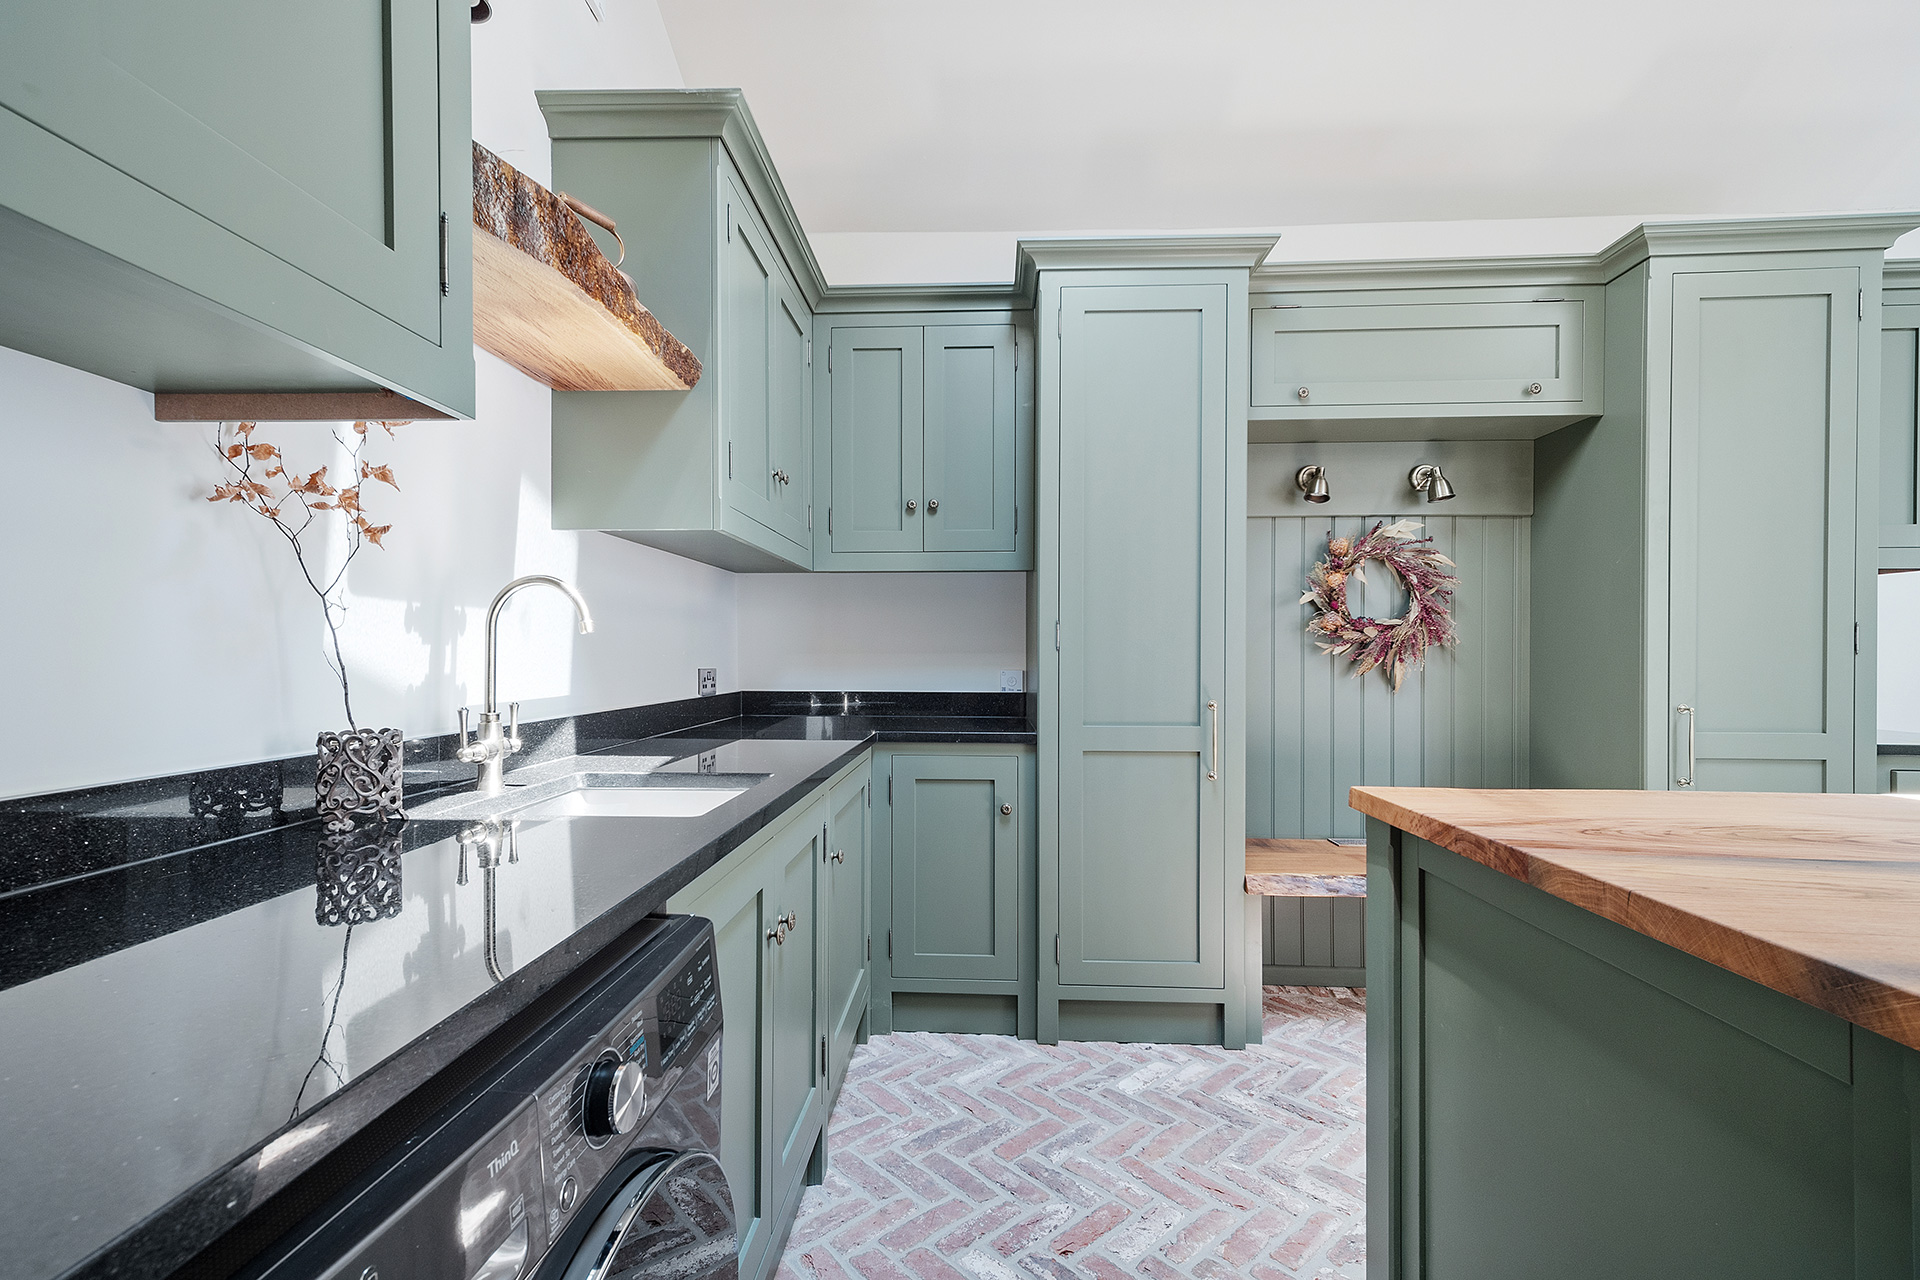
{"points": [[957, 1157]]}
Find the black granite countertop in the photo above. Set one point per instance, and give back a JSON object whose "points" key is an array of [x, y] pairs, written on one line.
{"points": [[185, 1032]]}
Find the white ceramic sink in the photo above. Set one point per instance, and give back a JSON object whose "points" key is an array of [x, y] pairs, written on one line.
{"points": [[630, 802]]}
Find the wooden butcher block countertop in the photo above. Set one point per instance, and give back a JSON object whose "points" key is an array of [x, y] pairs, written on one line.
{"points": [[1815, 896]]}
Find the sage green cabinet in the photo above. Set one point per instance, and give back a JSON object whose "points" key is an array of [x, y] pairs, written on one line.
{"points": [[956, 866], [848, 937], [720, 473], [791, 943], [1900, 419], [1704, 555], [926, 458], [1520, 362], [186, 207], [1141, 589]]}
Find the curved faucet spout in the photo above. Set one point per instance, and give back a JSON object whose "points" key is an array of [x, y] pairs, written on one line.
{"points": [[493, 624]]}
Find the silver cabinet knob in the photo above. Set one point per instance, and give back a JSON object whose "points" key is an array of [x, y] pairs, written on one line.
{"points": [[912, 506], [1533, 388], [839, 855], [933, 505], [1303, 393], [1006, 811]]}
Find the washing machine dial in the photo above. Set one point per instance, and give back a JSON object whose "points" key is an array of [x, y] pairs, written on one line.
{"points": [[616, 1094]]}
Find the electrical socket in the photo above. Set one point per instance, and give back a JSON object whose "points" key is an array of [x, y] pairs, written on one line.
{"points": [[1013, 682], [709, 682]]}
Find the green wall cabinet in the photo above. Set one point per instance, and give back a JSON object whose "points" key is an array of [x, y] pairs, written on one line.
{"points": [[719, 473], [956, 866], [183, 207], [1142, 568], [847, 940], [926, 459], [1704, 554], [1900, 418], [787, 925], [1357, 364]]}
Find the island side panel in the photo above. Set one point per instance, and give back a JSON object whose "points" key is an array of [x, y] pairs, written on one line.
{"points": [[1552, 1094]]}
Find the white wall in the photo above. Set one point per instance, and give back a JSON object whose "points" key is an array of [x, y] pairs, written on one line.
{"points": [[905, 631], [1899, 688], [150, 632]]}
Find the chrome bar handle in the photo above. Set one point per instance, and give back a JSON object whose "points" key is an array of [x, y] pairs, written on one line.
{"points": [[1213, 764], [1688, 713]]}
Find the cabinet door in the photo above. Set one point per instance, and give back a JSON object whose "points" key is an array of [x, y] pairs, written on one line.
{"points": [[310, 131], [741, 915], [956, 866], [1765, 412], [845, 942], [789, 397], [1143, 634], [1419, 354], [749, 305], [875, 403], [1899, 427], [793, 1037], [969, 464]]}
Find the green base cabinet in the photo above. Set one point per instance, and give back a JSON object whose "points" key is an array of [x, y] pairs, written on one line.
{"points": [[847, 942], [183, 207], [720, 473], [925, 459], [1141, 601], [954, 889], [788, 927], [1550, 1094]]}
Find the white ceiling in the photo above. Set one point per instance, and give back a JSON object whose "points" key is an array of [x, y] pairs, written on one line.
{"points": [[1034, 116]]}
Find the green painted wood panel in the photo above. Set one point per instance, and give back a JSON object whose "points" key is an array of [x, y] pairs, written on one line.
{"points": [[1900, 426], [1764, 508], [846, 938], [969, 466], [876, 377], [789, 443], [330, 161], [1142, 546], [1420, 354], [793, 1036], [749, 302], [956, 866]]}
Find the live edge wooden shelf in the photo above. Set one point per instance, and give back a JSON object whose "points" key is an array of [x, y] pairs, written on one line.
{"points": [[1305, 869], [547, 301]]}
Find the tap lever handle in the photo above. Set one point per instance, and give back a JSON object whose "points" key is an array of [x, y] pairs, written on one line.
{"points": [[463, 728], [513, 727]]}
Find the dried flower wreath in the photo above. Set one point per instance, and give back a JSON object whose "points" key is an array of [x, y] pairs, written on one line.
{"points": [[1393, 644]]}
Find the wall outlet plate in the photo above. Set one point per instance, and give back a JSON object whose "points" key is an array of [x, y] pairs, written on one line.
{"points": [[709, 682], [1013, 682]]}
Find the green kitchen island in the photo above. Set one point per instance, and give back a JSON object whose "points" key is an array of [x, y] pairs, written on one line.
{"points": [[1641, 1034]]}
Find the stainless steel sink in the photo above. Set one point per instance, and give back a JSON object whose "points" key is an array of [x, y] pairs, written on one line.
{"points": [[597, 793]]}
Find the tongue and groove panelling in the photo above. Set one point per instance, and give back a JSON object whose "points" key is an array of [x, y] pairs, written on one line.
{"points": [[1314, 729]]}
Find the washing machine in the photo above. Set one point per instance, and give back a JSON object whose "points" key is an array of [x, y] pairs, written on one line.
{"points": [[586, 1153]]}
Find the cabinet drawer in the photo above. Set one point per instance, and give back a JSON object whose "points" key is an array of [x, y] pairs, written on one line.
{"points": [[1417, 355]]}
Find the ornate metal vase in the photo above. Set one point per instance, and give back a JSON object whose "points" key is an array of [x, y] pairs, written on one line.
{"points": [[357, 778]]}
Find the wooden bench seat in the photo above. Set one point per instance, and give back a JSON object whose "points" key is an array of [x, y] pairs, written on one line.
{"points": [[1305, 869]]}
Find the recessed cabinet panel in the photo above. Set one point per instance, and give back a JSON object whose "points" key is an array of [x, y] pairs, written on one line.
{"points": [[749, 298], [1443, 353], [956, 866], [1764, 406], [793, 1063], [876, 448], [845, 945], [969, 461], [1899, 427], [328, 160], [787, 416]]}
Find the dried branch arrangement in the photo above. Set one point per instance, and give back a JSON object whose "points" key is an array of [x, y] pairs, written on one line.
{"points": [[293, 502]]}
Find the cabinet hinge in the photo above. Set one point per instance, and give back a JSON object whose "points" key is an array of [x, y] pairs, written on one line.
{"points": [[1549, 299], [1056, 316], [809, 515], [823, 1055], [889, 944], [1056, 951], [889, 788], [1016, 521], [1856, 639], [869, 946], [1056, 635], [829, 522], [729, 459], [729, 223], [809, 353], [1860, 305], [829, 359], [446, 257]]}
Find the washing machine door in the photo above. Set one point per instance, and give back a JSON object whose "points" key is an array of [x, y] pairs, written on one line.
{"points": [[671, 1220]]}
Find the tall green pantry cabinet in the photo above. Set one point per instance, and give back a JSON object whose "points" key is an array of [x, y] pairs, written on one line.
{"points": [[1139, 597]]}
